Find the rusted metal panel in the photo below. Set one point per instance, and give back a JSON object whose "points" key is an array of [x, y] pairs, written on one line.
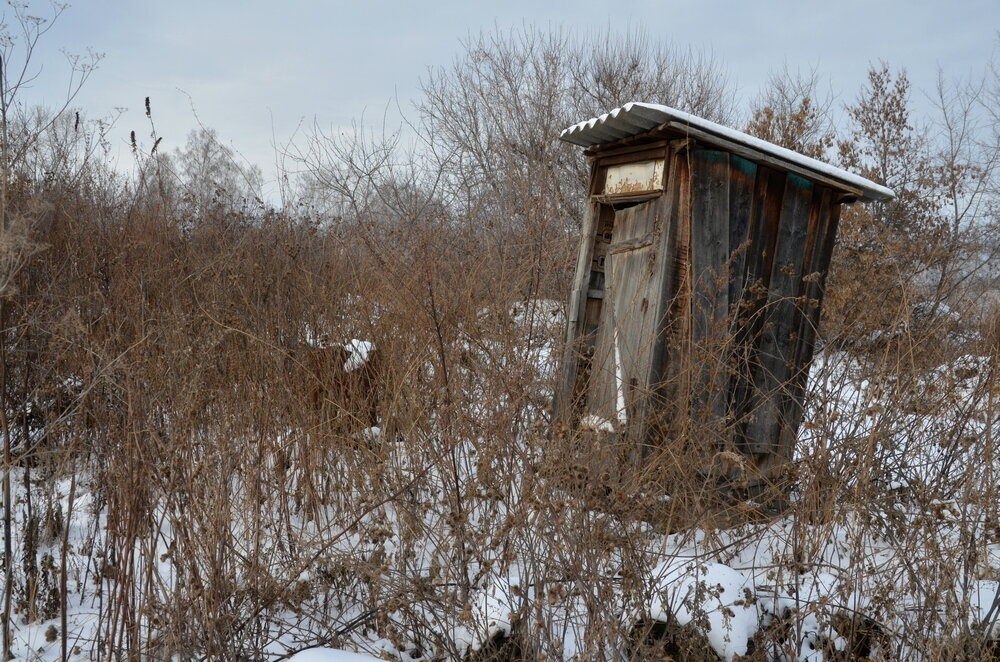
{"points": [[641, 177]]}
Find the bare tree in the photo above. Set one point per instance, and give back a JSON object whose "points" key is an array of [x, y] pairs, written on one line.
{"points": [[793, 112], [920, 249], [884, 246], [609, 69], [211, 177]]}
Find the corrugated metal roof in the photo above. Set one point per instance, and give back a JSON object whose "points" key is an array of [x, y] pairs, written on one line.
{"points": [[636, 118]]}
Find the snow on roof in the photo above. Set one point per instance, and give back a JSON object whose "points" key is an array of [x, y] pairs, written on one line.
{"points": [[636, 118]]}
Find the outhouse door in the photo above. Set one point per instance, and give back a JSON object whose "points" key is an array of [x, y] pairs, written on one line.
{"points": [[629, 257]]}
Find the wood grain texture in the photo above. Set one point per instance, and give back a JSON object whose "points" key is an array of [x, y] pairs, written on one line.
{"points": [[748, 318], [780, 318], [742, 176], [818, 255], [565, 395], [710, 281]]}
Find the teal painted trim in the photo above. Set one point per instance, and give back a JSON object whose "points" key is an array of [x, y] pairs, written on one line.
{"points": [[711, 155], [799, 182], [743, 165]]}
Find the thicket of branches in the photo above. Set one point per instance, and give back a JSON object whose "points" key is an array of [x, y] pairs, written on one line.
{"points": [[170, 348]]}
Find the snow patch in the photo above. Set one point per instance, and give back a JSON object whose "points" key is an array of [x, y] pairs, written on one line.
{"points": [[718, 598], [359, 351], [491, 613]]}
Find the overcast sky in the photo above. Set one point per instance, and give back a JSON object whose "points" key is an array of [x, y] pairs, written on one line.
{"points": [[252, 68]]}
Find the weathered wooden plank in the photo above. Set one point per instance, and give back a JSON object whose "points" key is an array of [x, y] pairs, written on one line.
{"points": [[814, 270], [709, 238], [768, 193], [647, 152], [644, 146], [633, 143], [670, 215], [632, 244], [742, 175], [710, 280], [777, 342], [597, 322], [818, 257], [670, 362], [601, 387], [663, 361], [564, 396], [629, 326], [765, 235]]}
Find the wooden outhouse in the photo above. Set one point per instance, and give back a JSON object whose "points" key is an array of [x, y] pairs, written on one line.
{"points": [[698, 283]]}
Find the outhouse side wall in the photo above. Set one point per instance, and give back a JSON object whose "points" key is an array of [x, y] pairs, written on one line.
{"points": [[761, 248]]}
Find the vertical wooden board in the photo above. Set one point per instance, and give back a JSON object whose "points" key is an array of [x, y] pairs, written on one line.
{"points": [[748, 319], [644, 264], [605, 388], [709, 238], [742, 176], [804, 332], [601, 388], [710, 278], [679, 340], [668, 358], [680, 304], [666, 288], [663, 289], [593, 393], [813, 272], [823, 254], [772, 368], [770, 194], [633, 270], [811, 297], [568, 382]]}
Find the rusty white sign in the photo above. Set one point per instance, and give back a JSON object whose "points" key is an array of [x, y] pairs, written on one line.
{"points": [[639, 177]]}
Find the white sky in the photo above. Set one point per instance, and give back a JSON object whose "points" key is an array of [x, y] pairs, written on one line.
{"points": [[249, 67]]}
